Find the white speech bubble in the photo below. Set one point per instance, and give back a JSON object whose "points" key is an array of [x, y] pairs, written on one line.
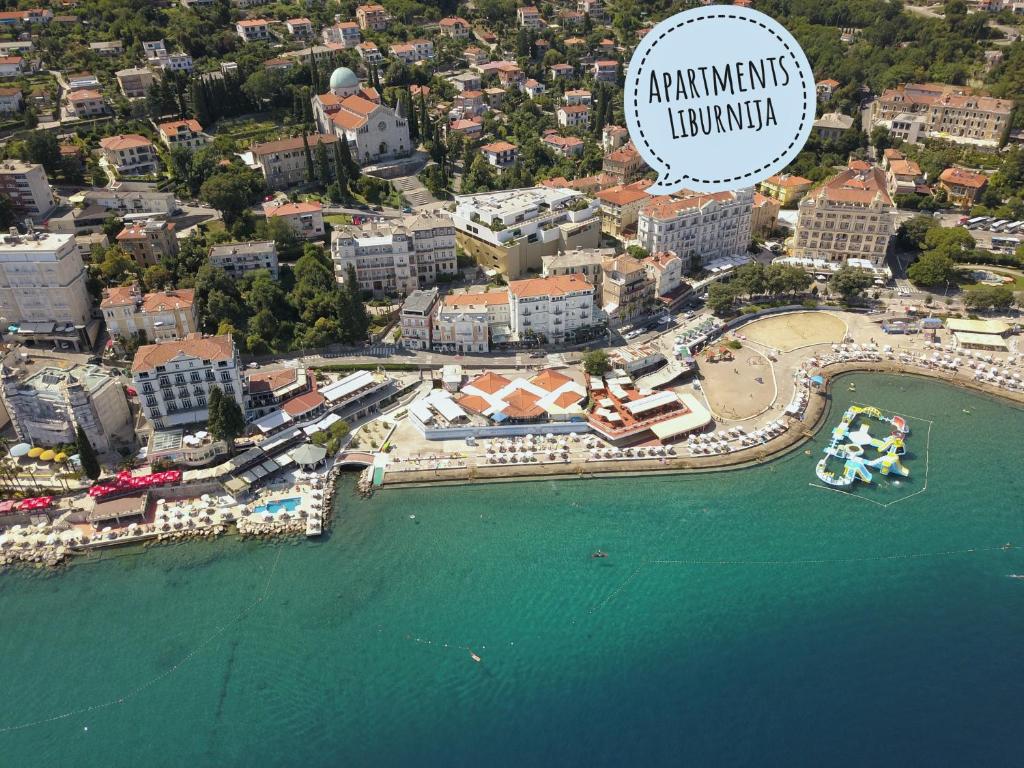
{"points": [[718, 98]]}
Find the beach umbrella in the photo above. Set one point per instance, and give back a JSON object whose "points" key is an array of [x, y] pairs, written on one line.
{"points": [[34, 452], [47, 455], [19, 450]]}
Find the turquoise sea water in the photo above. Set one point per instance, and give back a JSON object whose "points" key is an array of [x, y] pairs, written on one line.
{"points": [[741, 618]]}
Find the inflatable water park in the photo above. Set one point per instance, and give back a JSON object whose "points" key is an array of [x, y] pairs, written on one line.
{"points": [[852, 441]]}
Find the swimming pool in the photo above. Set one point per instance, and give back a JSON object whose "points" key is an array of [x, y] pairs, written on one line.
{"points": [[279, 505]]}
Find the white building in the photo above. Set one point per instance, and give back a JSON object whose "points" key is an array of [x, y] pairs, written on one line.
{"points": [[251, 30], [551, 307], [174, 378], [157, 316], [307, 219], [417, 317], [851, 216], [187, 134], [345, 33], [698, 227], [511, 231], [48, 405], [42, 283], [471, 322], [27, 186], [239, 258], [399, 258], [130, 154], [373, 131]]}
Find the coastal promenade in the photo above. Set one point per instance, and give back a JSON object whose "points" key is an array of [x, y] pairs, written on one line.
{"points": [[467, 466]]}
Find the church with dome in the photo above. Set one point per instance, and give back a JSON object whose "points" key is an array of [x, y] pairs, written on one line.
{"points": [[354, 112]]}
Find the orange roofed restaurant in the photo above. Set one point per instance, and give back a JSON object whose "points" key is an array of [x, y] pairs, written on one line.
{"points": [[624, 413]]}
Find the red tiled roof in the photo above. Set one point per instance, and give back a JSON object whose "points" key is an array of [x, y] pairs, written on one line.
{"points": [[489, 382], [555, 285], [125, 141], [213, 348], [302, 404], [550, 379]]}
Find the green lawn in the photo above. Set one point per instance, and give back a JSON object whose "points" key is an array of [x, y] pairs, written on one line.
{"points": [[1017, 275]]}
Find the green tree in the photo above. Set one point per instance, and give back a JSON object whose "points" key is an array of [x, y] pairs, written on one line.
{"points": [[42, 147], [850, 282], [226, 421], [86, 454], [989, 297], [597, 363], [933, 268], [231, 191], [721, 297], [310, 172], [910, 236]]}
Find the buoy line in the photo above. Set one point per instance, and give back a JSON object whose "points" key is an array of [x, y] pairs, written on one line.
{"points": [[153, 681]]}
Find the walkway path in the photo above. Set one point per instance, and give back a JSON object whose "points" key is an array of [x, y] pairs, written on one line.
{"points": [[413, 190]]}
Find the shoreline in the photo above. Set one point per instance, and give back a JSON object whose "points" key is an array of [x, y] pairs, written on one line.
{"points": [[802, 431]]}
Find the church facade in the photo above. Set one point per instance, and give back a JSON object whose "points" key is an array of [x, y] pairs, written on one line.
{"points": [[350, 111]]}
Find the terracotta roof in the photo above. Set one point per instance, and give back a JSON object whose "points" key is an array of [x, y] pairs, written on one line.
{"points": [[473, 403], [348, 121], [856, 185], [490, 382], [268, 381], [555, 285], [964, 178], [550, 379], [137, 230], [125, 141], [302, 404], [9, 91], [215, 348], [452, 21], [522, 405], [829, 83], [252, 23], [158, 301], [568, 398], [359, 105], [172, 127], [290, 209], [622, 195], [788, 180], [574, 109], [498, 146], [87, 94], [668, 207], [904, 168], [286, 145], [483, 298]]}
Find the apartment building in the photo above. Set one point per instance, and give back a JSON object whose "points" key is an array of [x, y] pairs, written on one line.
{"points": [[251, 30], [764, 215], [573, 116], [306, 219], [553, 308], [528, 16], [344, 33], [509, 232], [785, 187], [47, 405], [851, 216], [27, 186], [698, 227], [283, 162], [832, 125], [373, 17], [624, 165], [627, 290], [962, 186], [130, 154], [578, 261], [43, 291], [471, 322], [950, 112], [620, 208], [135, 82], [157, 316], [825, 89], [300, 28], [665, 270], [417, 319], [148, 242], [11, 101], [565, 146], [184, 134], [396, 258], [131, 197], [413, 51], [455, 27], [87, 103], [239, 258], [174, 378], [605, 70], [500, 154], [904, 177], [559, 71]]}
